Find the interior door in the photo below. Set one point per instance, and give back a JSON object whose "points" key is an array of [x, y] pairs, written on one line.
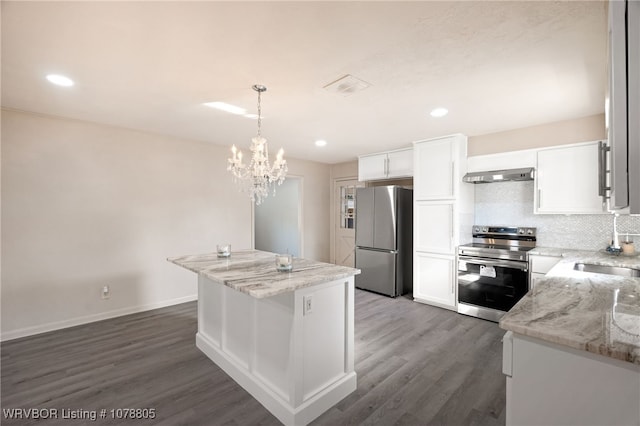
{"points": [[278, 220], [344, 231]]}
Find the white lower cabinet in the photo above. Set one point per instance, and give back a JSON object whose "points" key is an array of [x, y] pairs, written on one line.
{"points": [[549, 384], [539, 265], [434, 280]]}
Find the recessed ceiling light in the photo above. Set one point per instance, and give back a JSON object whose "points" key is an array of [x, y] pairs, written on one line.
{"points": [[227, 107], [60, 80], [439, 112], [321, 142]]}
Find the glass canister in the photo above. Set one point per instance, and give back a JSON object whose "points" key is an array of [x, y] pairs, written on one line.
{"points": [[284, 262]]}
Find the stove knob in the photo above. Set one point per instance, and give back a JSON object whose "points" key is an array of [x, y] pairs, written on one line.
{"points": [[521, 231], [485, 229], [529, 231], [476, 229]]}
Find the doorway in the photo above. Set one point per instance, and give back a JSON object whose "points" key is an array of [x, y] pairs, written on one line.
{"points": [[278, 220], [345, 221]]}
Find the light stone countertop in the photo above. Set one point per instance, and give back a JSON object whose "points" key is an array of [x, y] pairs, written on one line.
{"points": [[597, 313], [254, 272], [550, 251]]}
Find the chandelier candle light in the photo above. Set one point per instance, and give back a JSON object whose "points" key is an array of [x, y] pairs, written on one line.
{"points": [[259, 177]]}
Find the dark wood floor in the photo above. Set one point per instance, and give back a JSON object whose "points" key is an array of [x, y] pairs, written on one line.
{"points": [[416, 365]]}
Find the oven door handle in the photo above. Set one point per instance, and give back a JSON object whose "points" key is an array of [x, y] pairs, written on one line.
{"points": [[523, 266]]}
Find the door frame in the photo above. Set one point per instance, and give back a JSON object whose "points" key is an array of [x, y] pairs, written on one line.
{"points": [[335, 210]]}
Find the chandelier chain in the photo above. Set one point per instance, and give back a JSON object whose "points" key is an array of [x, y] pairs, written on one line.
{"points": [[259, 114]]}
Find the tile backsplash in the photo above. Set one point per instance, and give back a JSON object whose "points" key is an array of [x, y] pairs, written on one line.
{"points": [[511, 203]]}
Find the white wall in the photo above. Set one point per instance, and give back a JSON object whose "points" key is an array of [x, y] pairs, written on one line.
{"points": [[583, 129], [86, 205]]}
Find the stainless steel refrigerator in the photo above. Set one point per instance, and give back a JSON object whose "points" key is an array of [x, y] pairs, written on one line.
{"points": [[384, 239]]}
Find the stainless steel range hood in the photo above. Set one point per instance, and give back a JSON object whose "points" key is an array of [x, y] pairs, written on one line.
{"points": [[499, 175]]}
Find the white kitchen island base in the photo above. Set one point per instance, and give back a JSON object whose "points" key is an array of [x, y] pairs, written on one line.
{"points": [[293, 352]]}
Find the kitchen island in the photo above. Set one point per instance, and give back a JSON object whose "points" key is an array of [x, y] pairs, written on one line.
{"points": [[285, 337], [572, 351]]}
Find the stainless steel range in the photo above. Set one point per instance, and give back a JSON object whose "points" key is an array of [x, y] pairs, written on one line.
{"points": [[493, 270]]}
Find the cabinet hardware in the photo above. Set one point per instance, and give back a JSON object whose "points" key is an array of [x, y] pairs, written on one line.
{"points": [[453, 178], [603, 149], [453, 279], [453, 231], [539, 197]]}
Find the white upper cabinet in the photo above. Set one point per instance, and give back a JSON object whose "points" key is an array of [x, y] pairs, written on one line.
{"points": [[567, 180], [400, 163], [386, 165], [435, 170], [372, 167]]}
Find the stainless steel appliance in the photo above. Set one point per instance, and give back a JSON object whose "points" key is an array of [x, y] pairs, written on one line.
{"points": [[499, 176], [384, 239], [623, 109], [493, 270]]}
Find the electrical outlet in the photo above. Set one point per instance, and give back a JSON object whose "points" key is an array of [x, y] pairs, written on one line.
{"points": [[106, 292], [307, 302]]}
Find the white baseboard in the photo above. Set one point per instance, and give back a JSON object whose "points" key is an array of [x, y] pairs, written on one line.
{"points": [[43, 328]]}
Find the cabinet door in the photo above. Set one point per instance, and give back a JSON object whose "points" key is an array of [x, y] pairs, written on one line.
{"points": [[535, 278], [542, 264], [400, 163], [372, 167], [434, 170], [567, 180], [434, 227], [434, 280]]}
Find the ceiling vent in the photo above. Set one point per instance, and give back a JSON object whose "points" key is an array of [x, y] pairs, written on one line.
{"points": [[347, 85]]}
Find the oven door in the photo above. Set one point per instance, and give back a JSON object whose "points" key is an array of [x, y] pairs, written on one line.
{"points": [[491, 283]]}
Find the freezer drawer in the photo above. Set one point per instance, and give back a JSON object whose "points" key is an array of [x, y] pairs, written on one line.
{"points": [[378, 271]]}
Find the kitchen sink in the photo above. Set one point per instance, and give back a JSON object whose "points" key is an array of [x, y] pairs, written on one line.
{"points": [[609, 270]]}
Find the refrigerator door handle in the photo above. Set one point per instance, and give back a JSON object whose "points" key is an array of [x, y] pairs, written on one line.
{"points": [[377, 249]]}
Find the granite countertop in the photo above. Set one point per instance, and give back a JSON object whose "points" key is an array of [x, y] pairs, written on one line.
{"points": [[254, 272], [597, 313], [550, 251]]}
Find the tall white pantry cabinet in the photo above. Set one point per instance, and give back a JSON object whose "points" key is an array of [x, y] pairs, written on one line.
{"points": [[443, 217]]}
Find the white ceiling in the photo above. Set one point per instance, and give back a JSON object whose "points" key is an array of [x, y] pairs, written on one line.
{"points": [[151, 65]]}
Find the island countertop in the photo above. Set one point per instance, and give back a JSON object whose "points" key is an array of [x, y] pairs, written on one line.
{"points": [[587, 311], [253, 272]]}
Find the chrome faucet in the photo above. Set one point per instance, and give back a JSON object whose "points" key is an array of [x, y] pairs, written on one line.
{"points": [[615, 243]]}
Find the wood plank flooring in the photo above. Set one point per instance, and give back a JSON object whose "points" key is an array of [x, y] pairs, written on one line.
{"points": [[416, 365]]}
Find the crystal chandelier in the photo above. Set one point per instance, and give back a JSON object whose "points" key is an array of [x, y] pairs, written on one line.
{"points": [[259, 177]]}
